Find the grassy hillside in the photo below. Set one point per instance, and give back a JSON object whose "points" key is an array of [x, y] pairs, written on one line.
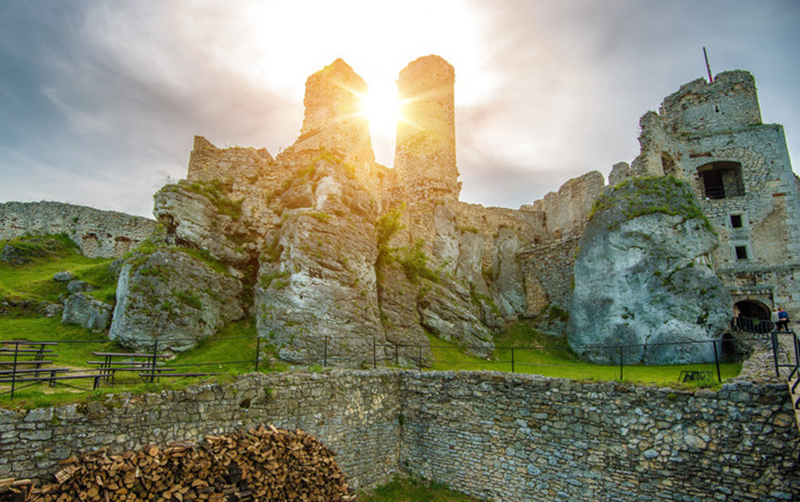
{"points": [[33, 281]]}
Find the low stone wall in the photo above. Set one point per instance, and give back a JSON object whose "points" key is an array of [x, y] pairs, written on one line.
{"points": [[497, 436], [98, 233], [520, 437], [353, 413]]}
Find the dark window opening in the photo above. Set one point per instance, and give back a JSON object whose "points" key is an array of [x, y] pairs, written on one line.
{"points": [[721, 180], [736, 220], [741, 252]]}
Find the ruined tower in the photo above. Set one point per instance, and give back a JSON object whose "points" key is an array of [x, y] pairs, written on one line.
{"points": [[710, 135], [425, 155], [334, 118]]}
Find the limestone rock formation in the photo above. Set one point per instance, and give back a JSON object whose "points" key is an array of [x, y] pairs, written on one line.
{"points": [[643, 276], [174, 298], [201, 215], [85, 311]]}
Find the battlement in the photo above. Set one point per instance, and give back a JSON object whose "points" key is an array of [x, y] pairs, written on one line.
{"points": [[729, 102]]}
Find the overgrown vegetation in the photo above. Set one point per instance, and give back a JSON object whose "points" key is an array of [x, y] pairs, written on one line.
{"points": [[641, 196], [412, 259]]}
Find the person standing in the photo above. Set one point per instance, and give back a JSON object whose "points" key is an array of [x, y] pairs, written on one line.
{"points": [[783, 320]]}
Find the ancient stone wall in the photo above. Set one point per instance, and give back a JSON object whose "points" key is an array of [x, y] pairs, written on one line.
{"points": [[209, 163], [521, 437], [353, 413], [567, 210], [549, 268], [730, 101], [492, 435], [106, 234]]}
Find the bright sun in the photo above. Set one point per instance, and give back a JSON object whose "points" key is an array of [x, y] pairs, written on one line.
{"points": [[382, 108]]}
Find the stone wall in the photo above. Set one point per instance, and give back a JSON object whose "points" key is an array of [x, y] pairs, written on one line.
{"points": [[521, 437], [549, 270], [496, 436], [567, 210], [106, 234], [353, 413]]}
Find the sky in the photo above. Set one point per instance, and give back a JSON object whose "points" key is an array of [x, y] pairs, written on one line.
{"points": [[100, 100]]}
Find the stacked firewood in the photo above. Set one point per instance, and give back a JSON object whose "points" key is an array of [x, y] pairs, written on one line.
{"points": [[15, 490], [255, 465]]}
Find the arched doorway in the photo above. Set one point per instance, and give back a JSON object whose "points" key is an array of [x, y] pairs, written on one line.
{"points": [[752, 316]]}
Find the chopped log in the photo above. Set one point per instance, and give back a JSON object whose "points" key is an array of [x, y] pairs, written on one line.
{"points": [[256, 464]]}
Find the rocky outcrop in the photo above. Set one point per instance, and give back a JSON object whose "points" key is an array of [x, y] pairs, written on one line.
{"points": [[643, 278], [173, 298], [85, 311], [200, 215], [97, 233]]}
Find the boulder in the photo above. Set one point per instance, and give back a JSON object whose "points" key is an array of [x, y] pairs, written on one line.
{"points": [[447, 310], [173, 298], [14, 256], [85, 311], [78, 286], [63, 276], [643, 278]]}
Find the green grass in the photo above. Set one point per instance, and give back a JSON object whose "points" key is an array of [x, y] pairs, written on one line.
{"points": [[34, 281], [552, 357], [412, 490]]}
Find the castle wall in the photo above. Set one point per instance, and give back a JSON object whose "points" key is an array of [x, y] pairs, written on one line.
{"points": [[97, 233], [729, 102], [549, 269], [209, 163], [568, 209], [496, 436]]}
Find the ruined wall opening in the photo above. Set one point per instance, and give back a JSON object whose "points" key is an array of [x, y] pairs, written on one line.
{"points": [[721, 180], [668, 165]]}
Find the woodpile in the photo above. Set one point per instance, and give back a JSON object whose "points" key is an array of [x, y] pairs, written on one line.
{"points": [[255, 465]]}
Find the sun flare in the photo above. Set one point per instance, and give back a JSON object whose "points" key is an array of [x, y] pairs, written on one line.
{"points": [[382, 107]]}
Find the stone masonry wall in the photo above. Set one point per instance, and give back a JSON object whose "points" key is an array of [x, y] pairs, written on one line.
{"points": [[549, 269], [496, 436], [106, 234], [353, 413], [521, 437]]}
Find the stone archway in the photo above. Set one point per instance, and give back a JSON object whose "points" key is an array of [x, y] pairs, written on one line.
{"points": [[753, 316]]}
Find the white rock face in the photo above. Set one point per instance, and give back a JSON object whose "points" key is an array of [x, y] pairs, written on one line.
{"points": [[173, 298], [641, 278], [83, 310]]}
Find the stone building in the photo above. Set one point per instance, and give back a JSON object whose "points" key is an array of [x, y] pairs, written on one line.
{"points": [[711, 135]]}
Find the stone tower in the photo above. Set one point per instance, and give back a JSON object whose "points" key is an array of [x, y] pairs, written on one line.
{"points": [[710, 134], [334, 118], [425, 155]]}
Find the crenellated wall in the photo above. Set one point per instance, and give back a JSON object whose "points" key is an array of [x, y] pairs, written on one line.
{"points": [[496, 436]]}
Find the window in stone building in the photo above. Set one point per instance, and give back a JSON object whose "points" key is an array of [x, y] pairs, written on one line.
{"points": [[741, 252], [736, 220], [721, 180]]}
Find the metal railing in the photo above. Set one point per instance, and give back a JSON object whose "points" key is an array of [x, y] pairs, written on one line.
{"points": [[353, 351]]}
